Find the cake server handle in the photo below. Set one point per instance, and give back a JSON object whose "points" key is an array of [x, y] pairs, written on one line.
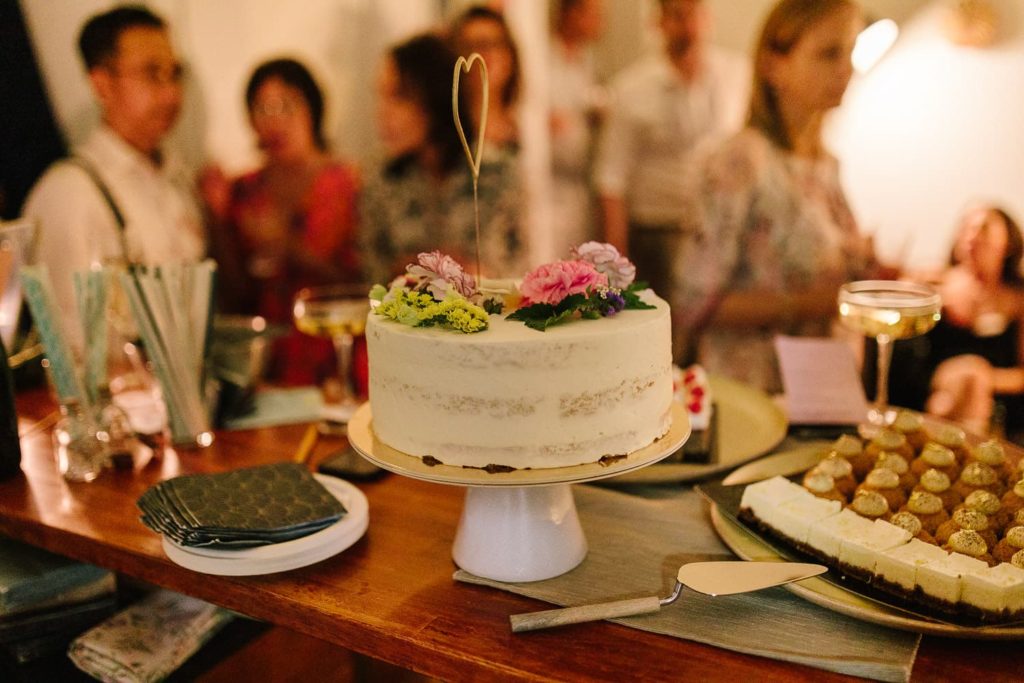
{"points": [[532, 621]]}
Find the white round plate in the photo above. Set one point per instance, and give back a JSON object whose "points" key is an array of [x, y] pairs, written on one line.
{"points": [[363, 439], [750, 424], [279, 557], [819, 591]]}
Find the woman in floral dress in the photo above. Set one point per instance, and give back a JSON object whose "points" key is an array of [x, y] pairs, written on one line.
{"points": [[769, 236]]}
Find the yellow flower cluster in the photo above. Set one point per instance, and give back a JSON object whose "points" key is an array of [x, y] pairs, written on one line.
{"points": [[418, 309]]}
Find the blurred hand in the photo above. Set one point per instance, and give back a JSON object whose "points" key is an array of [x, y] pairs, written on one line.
{"points": [[215, 190], [963, 391]]}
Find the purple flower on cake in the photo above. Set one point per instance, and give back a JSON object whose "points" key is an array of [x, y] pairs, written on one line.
{"points": [[607, 260], [552, 282], [436, 273]]}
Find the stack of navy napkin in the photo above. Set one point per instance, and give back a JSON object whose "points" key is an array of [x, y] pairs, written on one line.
{"points": [[240, 509]]}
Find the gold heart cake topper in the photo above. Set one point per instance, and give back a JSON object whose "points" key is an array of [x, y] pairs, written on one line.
{"points": [[463, 65]]}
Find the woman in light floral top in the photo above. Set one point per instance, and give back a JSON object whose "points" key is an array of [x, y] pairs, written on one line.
{"points": [[422, 200], [769, 236]]}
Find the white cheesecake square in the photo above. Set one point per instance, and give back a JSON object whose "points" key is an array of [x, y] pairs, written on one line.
{"points": [[795, 517], [995, 589], [899, 565], [828, 534], [862, 550], [763, 497], [943, 579]]}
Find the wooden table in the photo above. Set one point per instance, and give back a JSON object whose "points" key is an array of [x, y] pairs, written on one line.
{"points": [[390, 596]]}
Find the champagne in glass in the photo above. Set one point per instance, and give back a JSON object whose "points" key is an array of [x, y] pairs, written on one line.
{"points": [[887, 310], [337, 312]]}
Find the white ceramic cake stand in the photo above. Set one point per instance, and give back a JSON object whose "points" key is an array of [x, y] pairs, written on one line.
{"points": [[515, 526]]}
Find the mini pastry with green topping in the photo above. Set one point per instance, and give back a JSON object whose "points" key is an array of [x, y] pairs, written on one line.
{"points": [[988, 504], [887, 483], [970, 543], [823, 485], [978, 476], [1010, 545], [911, 426], [927, 507], [910, 522], [870, 504], [970, 520], [852, 448], [841, 471], [898, 464], [934, 481], [935, 456], [954, 439], [892, 441]]}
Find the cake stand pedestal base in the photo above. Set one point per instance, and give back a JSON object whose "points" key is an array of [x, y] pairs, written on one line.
{"points": [[519, 533]]}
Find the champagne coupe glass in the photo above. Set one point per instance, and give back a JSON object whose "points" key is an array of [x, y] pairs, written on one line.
{"points": [[887, 310], [337, 312]]}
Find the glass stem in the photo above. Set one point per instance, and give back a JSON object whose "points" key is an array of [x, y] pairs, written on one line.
{"points": [[343, 352], [882, 378]]}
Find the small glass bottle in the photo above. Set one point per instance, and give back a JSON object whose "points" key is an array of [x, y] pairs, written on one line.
{"points": [[115, 429], [80, 451]]}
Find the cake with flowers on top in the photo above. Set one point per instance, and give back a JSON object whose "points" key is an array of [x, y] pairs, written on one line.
{"points": [[580, 372]]}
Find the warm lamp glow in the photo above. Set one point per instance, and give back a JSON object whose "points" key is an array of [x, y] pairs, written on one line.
{"points": [[872, 43]]}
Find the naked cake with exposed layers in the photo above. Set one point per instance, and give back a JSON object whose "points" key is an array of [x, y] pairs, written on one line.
{"points": [[541, 387]]}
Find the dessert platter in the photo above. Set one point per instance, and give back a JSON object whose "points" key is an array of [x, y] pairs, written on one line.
{"points": [[948, 571], [573, 385]]}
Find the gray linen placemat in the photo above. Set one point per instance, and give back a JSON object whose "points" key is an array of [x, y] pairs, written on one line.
{"points": [[637, 545]]}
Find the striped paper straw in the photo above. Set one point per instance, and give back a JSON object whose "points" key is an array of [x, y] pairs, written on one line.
{"points": [[35, 281]]}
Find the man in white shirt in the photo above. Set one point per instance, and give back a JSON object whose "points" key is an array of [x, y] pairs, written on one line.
{"points": [[119, 199], [661, 108], [576, 103]]}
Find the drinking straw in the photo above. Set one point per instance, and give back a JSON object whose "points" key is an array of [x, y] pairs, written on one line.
{"points": [[35, 281], [91, 295]]}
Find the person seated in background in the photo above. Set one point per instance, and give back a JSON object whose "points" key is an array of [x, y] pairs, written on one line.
{"points": [[485, 31], [577, 102], [121, 198], [289, 224], [768, 236], [421, 199], [660, 109], [972, 360]]}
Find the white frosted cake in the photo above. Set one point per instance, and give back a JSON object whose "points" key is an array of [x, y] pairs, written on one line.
{"points": [[512, 397]]}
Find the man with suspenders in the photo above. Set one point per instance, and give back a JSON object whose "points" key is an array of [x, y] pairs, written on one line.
{"points": [[119, 199]]}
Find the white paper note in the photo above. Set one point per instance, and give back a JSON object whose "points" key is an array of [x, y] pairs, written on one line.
{"points": [[821, 380]]}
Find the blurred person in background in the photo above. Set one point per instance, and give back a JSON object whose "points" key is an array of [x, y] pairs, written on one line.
{"points": [[289, 224], [421, 198], [768, 236], [661, 108], [121, 198], [576, 101]]}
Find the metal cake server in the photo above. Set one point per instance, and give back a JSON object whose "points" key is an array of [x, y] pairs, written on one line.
{"points": [[710, 578]]}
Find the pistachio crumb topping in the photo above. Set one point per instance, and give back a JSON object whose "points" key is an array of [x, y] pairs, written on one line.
{"points": [[991, 453], [924, 503], [983, 501], [848, 445], [907, 421], [881, 478], [893, 461], [935, 481], [951, 436], [967, 542], [907, 521], [869, 503], [835, 465], [890, 439], [1015, 537], [819, 482], [978, 474], [937, 455], [970, 519]]}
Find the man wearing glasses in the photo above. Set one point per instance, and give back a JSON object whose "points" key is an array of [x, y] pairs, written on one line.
{"points": [[119, 198]]}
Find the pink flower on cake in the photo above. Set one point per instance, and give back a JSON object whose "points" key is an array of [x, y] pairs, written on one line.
{"points": [[552, 282], [435, 272], [607, 260]]}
